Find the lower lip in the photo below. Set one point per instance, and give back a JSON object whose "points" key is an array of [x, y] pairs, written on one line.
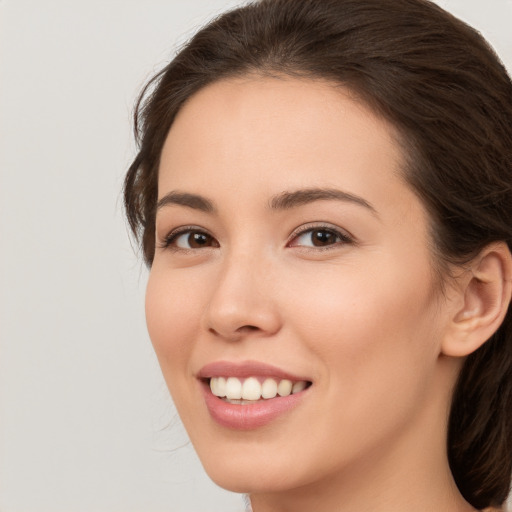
{"points": [[251, 416]]}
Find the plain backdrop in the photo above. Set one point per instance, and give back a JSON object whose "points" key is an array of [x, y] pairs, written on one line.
{"points": [[86, 424]]}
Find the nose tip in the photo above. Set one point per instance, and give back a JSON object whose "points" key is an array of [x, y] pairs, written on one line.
{"points": [[241, 305], [242, 320]]}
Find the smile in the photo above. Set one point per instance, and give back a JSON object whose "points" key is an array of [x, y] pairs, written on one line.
{"points": [[249, 395], [249, 390]]}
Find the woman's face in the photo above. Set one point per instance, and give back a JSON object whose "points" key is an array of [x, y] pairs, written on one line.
{"points": [[289, 248]]}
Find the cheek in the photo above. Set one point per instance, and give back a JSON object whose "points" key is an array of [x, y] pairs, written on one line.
{"points": [[377, 324], [373, 336], [172, 320]]}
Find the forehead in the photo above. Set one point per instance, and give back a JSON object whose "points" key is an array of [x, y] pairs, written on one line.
{"points": [[271, 134]]}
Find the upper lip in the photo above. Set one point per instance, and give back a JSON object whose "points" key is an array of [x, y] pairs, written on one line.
{"points": [[245, 369]]}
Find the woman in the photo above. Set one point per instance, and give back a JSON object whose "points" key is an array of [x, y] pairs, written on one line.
{"points": [[323, 193]]}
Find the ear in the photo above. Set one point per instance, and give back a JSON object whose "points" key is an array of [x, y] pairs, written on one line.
{"points": [[484, 294]]}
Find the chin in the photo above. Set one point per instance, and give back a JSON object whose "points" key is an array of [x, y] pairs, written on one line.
{"points": [[245, 474], [250, 481]]}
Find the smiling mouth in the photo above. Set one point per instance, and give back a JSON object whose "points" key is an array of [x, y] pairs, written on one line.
{"points": [[252, 390]]}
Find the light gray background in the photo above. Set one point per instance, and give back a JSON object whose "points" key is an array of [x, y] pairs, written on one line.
{"points": [[85, 421]]}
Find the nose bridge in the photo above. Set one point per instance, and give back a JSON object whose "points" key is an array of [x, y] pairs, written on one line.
{"points": [[241, 299]]}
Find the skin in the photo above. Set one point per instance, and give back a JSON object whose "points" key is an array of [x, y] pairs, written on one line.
{"points": [[363, 319]]}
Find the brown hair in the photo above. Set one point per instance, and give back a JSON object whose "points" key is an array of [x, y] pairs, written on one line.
{"points": [[443, 87]]}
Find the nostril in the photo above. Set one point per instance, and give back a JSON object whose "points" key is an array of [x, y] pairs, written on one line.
{"points": [[247, 328]]}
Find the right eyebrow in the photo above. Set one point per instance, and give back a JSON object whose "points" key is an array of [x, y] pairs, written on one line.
{"points": [[193, 201]]}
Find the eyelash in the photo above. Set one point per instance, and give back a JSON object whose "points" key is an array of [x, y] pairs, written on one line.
{"points": [[344, 238], [169, 240]]}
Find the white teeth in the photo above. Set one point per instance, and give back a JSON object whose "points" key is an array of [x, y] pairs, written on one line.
{"points": [[214, 386], [269, 388], [284, 388], [250, 389], [233, 388], [298, 386], [218, 386]]}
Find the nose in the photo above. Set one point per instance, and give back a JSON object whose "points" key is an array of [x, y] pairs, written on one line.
{"points": [[243, 300]]}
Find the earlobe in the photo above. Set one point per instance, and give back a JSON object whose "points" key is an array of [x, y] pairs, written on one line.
{"points": [[486, 290]]}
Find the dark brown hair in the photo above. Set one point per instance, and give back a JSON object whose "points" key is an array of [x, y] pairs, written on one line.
{"points": [[449, 96]]}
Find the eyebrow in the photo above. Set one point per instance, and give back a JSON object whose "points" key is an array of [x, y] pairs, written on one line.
{"points": [[288, 200], [283, 201], [194, 201]]}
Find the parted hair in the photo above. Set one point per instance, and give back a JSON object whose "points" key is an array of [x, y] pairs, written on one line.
{"points": [[450, 98]]}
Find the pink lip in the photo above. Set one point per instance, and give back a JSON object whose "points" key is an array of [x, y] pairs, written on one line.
{"points": [[245, 369], [253, 416]]}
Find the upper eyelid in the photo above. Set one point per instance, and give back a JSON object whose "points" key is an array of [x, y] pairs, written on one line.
{"points": [[184, 229], [310, 226], [297, 231], [171, 236]]}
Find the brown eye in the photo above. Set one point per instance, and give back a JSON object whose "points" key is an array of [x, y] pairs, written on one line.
{"points": [[198, 240], [190, 239], [320, 237]]}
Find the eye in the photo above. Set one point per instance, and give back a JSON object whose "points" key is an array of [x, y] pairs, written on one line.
{"points": [[319, 237], [189, 239]]}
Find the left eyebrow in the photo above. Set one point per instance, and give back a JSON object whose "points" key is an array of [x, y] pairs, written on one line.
{"points": [[288, 200]]}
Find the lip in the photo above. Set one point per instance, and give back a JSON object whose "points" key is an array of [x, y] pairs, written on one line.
{"points": [[249, 416], [246, 369]]}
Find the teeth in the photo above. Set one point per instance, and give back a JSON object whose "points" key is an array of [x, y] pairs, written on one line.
{"points": [[218, 386], [251, 389], [298, 387], [284, 388], [235, 389], [269, 388]]}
